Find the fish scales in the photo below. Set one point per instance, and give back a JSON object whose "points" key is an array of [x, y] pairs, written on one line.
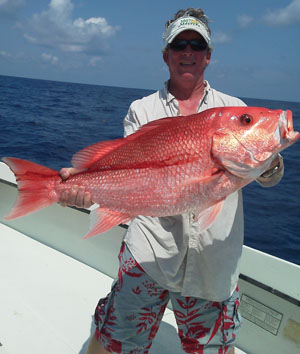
{"points": [[155, 144]]}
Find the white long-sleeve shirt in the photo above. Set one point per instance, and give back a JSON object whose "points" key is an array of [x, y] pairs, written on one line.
{"points": [[171, 249]]}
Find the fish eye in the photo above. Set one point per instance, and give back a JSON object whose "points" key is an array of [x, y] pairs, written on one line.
{"points": [[246, 119]]}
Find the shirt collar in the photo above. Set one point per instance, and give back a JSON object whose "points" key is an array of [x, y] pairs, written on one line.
{"points": [[170, 97]]}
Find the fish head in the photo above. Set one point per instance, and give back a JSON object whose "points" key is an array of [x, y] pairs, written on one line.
{"points": [[247, 139]]}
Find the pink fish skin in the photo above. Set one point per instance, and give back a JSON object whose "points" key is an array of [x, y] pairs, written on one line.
{"points": [[168, 167]]}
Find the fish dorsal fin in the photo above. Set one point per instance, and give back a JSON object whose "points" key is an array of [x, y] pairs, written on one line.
{"points": [[86, 157], [162, 123], [158, 123]]}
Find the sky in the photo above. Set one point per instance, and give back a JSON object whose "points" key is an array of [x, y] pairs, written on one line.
{"points": [[118, 43]]}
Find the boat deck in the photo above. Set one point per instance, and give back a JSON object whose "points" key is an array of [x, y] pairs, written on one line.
{"points": [[48, 298]]}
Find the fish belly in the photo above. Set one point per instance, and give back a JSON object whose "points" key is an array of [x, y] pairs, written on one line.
{"points": [[162, 191]]}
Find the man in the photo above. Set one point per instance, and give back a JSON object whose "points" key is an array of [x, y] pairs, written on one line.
{"points": [[168, 258]]}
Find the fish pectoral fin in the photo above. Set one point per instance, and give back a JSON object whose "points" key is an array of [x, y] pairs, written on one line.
{"points": [[203, 179], [206, 217], [103, 219]]}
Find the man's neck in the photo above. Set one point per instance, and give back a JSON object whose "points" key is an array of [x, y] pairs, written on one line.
{"points": [[185, 92], [188, 97]]}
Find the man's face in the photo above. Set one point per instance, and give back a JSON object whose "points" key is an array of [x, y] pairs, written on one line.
{"points": [[188, 64]]}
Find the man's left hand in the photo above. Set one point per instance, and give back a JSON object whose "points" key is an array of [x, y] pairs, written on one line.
{"points": [[274, 173]]}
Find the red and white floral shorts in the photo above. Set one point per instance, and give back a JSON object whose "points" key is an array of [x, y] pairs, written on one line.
{"points": [[128, 318]]}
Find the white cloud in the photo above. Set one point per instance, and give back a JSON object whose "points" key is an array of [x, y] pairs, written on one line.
{"points": [[284, 16], [4, 54], [94, 61], [30, 38], [221, 37], [244, 20], [49, 58], [55, 28]]}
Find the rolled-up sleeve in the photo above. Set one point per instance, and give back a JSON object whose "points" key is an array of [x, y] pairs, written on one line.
{"points": [[130, 122]]}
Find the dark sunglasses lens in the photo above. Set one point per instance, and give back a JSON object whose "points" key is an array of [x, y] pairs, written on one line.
{"points": [[179, 45], [198, 45]]}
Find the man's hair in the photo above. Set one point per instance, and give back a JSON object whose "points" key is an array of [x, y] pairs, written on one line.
{"points": [[190, 11]]}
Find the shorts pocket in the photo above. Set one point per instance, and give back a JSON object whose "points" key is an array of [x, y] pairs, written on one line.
{"points": [[103, 309], [232, 319]]}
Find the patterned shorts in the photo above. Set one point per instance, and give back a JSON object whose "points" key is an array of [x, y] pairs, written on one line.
{"points": [[128, 318]]}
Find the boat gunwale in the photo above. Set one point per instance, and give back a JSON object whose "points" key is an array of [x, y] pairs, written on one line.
{"points": [[243, 276], [269, 289]]}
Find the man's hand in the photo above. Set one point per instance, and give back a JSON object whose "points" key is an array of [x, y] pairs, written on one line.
{"points": [[77, 196], [274, 173]]}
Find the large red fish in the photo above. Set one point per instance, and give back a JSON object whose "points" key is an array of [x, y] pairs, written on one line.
{"points": [[170, 166]]}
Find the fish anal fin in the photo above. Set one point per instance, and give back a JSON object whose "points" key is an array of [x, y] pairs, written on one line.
{"points": [[103, 219], [207, 217]]}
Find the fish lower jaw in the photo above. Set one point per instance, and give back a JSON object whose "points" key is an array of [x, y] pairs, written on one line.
{"points": [[286, 129], [293, 136]]}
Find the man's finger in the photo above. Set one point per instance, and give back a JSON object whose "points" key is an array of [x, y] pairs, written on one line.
{"points": [[72, 196], [79, 202], [63, 198], [87, 200]]}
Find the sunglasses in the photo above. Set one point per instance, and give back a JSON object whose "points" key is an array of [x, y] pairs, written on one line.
{"points": [[180, 44]]}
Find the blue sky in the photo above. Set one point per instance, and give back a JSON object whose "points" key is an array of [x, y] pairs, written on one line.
{"points": [[118, 43]]}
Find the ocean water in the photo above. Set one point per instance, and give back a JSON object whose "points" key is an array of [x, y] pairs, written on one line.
{"points": [[48, 121]]}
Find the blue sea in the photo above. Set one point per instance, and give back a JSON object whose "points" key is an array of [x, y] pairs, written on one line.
{"points": [[48, 121]]}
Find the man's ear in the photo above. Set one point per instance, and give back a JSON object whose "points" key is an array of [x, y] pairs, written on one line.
{"points": [[166, 57], [208, 57]]}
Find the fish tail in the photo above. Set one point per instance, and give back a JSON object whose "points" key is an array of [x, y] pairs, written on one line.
{"points": [[35, 186]]}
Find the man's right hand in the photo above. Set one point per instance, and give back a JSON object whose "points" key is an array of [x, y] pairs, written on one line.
{"points": [[76, 196]]}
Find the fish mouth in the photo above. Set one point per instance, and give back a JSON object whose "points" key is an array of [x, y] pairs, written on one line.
{"points": [[285, 129]]}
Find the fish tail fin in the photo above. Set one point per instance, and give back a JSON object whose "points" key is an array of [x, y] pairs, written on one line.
{"points": [[34, 186]]}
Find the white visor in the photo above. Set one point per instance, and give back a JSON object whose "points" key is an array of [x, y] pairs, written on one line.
{"points": [[187, 23]]}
